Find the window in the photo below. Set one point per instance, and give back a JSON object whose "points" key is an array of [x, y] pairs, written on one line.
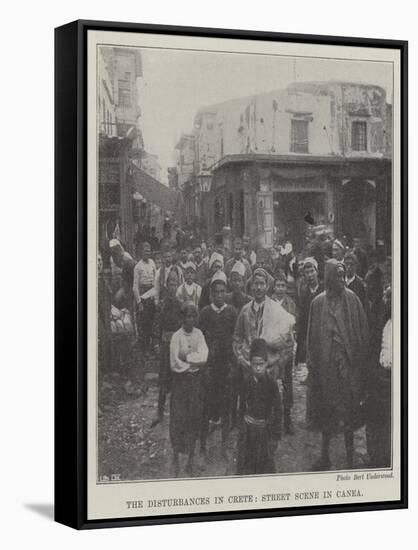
{"points": [[124, 89], [299, 136], [359, 136]]}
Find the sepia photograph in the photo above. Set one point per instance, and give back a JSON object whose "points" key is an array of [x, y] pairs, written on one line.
{"points": [[243, 285], [244, 290]]}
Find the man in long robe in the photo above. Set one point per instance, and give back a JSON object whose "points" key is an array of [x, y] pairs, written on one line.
{"points": [[264, 318], [337, 361]]}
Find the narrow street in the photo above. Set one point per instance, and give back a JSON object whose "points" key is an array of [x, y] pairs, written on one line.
{"points": [[130, 449]]}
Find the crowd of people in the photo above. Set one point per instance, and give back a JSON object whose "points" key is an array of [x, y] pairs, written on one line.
{"points": [[229, 325]]}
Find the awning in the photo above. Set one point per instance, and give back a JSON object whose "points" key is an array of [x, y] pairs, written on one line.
{"points": [[154, 191]]}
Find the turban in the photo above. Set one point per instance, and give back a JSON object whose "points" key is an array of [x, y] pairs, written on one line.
{"points": [[311, 261], [238, 267], [331, 267], [260, 272], [258, 348], [219, 277], [189, 266], [216, 257], [114, 242]]}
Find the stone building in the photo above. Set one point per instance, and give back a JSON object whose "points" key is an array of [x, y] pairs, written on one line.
{"points": [[130, 193], [317, 147], [120, 139]]}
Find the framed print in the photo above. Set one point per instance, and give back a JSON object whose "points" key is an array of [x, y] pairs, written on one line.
{"points": [[231, 274]]}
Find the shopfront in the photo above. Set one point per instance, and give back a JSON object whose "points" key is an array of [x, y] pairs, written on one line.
{"points": [[266, 197]]}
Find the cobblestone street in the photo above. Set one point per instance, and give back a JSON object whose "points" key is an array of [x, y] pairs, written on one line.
{"points": [[130, 449]]}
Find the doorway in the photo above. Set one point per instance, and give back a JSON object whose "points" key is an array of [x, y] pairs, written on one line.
{"points": [[358, 210], [290, 210]]}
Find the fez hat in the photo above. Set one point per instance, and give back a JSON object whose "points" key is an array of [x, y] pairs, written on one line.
{"points": [[258, 348]]}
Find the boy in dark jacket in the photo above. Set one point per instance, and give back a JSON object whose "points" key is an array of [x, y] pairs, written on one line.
{"points": [[217, 322], [261, 424]]}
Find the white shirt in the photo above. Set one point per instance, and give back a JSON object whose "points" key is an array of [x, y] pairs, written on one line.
{"points": [[218, 309], [349, 281], [191, 292], [313, 290], [144, 275], [192, 346], [257, 305], [286, 249], [252, 258], [158, 283], [386, 349]]}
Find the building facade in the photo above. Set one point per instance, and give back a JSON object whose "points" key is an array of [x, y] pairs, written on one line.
{"points": [[322, 148], [120, 139]]}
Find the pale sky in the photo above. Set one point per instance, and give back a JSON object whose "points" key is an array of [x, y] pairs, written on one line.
{"points": [[177, 83]]}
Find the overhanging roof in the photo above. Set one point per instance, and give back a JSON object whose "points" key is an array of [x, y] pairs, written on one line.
{"points": [[154, 191], [289, 159]]}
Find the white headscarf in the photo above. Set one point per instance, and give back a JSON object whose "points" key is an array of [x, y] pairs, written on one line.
{"points": [[218, 276], [216, 257], [239, 267]]}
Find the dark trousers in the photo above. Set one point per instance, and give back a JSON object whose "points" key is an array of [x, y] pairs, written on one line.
{"points": [[217, 398], [144, 323], [288, 387], [237, 383], [165, 376]]}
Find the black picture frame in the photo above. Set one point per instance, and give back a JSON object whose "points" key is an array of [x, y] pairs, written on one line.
{"points": [[71, 271]]}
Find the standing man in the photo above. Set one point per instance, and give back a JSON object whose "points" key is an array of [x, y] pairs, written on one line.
{"points": [[189, 291], [168, 320], [308, 292], [337, 348], [237, 296], [264, 318], [201, 266], [123, 297], [217, 322], [104, 299], [338, 250], [154, 240], [238, 257], [379, 413], [210, 248], [353, 281], [183, 259], [361, 255], [144, 276], [215, 264], [279, 295], [249, 253], [161, 275]]}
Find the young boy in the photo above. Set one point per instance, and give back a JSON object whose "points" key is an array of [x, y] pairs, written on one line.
{"points": [[279, 293], [183, 260], [189, 291], [261, 425], [188, 355], [217, 322]]}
